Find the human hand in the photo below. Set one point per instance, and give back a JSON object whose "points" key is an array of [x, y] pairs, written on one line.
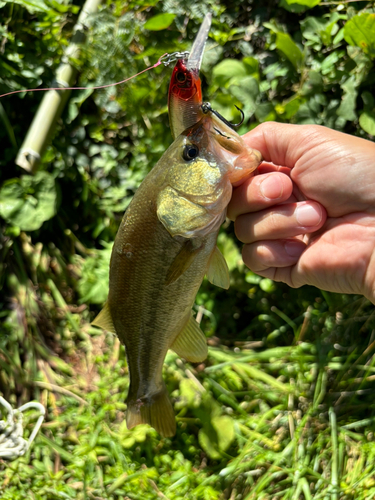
{"points": [[328, 240]]}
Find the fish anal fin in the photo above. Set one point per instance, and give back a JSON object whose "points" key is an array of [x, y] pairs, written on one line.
{"points": [[156, 411], [182, 261], [104, 319], [191, 343], [218, 272]]}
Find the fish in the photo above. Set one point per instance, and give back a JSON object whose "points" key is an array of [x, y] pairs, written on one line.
{"points": [[185, 87], [165, 245]]}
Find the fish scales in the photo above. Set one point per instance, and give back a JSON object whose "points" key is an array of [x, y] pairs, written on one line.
{"points": [[165, 245]]}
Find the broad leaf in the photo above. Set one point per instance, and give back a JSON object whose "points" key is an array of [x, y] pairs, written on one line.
{"points": [[367, 122], [360, 31], [159, 22], [348, 103], [293, 7], [228, 69], [246, 91], [368, 100], [306, 3], [290, 49], [289, 108], [31, 5], [217, 438], [28, 201]]}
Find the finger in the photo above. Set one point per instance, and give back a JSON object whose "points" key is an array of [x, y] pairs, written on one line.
{"points": [[284, 144], [264, 255], [283, 274], [281, 221], [266, 168], [259, 192]]}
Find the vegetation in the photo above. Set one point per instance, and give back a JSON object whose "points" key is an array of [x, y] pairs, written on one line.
{"points": [[283, 407]]}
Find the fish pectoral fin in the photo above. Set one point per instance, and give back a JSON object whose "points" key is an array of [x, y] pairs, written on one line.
{"points": [[156, 410], [104, 320], [218, 272], [182, 261], [191, 343]]}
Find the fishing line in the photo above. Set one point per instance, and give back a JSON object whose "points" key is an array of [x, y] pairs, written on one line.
{"points": [[165, 59]]}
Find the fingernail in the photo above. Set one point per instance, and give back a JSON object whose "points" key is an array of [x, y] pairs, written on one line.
{"points": [[271, 188], [294, 248], [309, 215]]}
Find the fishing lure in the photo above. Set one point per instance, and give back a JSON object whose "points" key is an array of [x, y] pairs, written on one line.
{"points": [[185, 92]]}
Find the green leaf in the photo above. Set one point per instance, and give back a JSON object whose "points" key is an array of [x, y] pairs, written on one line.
{"points": [[8, 126], [265, 112], [246, 91], [306, 3], [293, 7], [368, 100], [159, 22], [31, 5], [329, 63], [228, 69], [310, 27], [318, 30], [360, 31], [252, 66], [217, 438], [267, 285], [348, 103], [230, 251], [367, 122], [190, 396], [290, 49], [313, 83], [28, 201], [289, 108], [94, 282]]}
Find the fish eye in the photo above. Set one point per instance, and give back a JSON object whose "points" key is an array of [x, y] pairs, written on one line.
{"points": [[180, 77], [190, 152]]}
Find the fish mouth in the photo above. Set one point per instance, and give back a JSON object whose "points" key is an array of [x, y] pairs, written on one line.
{"points": [[237, 160]]}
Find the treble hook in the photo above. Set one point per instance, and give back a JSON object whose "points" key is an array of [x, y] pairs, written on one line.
{"points": [[206, 107]]}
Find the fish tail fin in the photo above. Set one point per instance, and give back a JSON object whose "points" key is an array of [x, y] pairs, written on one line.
{"points": [[156, 411]]}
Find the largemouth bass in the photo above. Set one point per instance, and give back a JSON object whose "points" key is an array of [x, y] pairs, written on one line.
{"points": [[165, 245]]}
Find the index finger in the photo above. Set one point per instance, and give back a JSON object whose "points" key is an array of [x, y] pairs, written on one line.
{"points": [[259, 192], [284, 144]]}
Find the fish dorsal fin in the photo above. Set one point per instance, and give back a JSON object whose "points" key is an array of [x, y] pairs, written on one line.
{"points": [[104, 320], [182, 261], [218, 272], [191, 343]]}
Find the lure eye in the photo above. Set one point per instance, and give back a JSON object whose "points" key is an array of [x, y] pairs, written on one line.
{"points": [[190, 152], [180, 77]]}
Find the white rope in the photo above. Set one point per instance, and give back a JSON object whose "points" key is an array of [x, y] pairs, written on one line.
{"points": [[12, 442]]}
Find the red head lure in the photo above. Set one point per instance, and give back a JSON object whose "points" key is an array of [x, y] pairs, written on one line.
{"points": [[185, 92]]}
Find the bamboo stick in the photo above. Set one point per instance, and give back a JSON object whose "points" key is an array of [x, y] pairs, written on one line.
{"points": [[53, 102]]}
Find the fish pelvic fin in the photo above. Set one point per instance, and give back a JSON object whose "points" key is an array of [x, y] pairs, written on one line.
{"points": [[218, 272], [191, 343], [156, 411], [104, 320]]}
